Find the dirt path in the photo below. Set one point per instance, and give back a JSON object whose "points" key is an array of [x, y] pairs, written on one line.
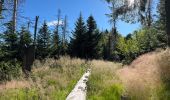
{"points": [[80, 89]]}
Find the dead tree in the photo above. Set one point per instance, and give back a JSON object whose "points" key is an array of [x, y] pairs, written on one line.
{"points": [[15, 15]]}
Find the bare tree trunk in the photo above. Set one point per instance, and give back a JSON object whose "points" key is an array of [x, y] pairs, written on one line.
{"points": [[57, 26], [149, 13], [58, 20], [35, 34], [64, 35], [167, 9], [15, 15]]}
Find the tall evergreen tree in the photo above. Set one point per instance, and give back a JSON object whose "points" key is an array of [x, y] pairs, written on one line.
{"points": [[25, 37], [25, 40], [55, 43], [43, 42], [160, 24], [11, 42], [77, 41], [92, 37]]}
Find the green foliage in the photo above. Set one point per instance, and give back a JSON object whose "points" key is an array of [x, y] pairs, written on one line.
{"points": [[55, 46], [104, 44], [85, 41], [91, 39], [43, 42], [127, 48], [76, 43], [140, 42], [113, 92], [20, 94], [10, 45], [25, 37], [9, 70]]}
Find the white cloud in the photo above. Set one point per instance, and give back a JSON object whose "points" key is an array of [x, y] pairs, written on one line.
{"points": [[54, 22]]}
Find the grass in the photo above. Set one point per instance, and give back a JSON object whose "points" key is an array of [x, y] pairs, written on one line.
{"points": [[49, 80], [146, 78], [103, 84], [164, 67]]}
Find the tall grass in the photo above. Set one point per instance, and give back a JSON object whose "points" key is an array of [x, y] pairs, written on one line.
{"points": [[103, 84], [49, 80], [147, 78], [164, 67]]}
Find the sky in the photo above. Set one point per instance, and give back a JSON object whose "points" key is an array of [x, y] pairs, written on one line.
{"points": [[47, 10]]}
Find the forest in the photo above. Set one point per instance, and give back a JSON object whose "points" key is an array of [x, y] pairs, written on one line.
{"points": [[44, 59]]}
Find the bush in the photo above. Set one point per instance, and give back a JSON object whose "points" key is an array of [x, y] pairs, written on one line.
{"points": [[9, 70]]}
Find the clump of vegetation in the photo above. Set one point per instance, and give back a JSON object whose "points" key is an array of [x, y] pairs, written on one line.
{"points": [[56, 76], [103, 83], [164, 65], [9, 70]]}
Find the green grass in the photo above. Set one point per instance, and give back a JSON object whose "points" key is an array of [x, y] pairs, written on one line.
{"points": [[102, 83], [48, 81], [20, 94]]}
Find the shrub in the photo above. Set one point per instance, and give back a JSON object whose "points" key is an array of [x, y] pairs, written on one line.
{"points": [[9, 70]]}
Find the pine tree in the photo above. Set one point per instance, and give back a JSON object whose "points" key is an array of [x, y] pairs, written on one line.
{"points": [[25, 41], [77, 41], [92, 37], [43, 42], [10, 42], [55, 44], [160, 24], [25, 37], [105, 44]]}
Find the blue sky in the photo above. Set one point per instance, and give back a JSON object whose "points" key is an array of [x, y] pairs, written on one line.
{"points": [[47, 10]]}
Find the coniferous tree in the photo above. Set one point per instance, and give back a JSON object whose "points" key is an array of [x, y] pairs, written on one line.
{"points": [[43, 42], [25, 37], [92, 37], [10, 42], [55, 44], [160, 24], [25, 41], [105, 44], [77, 41]]}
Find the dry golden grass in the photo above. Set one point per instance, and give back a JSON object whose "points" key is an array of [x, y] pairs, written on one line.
{"points": [[106, 70], [164, 63], [142, 78], [15, 84]]}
